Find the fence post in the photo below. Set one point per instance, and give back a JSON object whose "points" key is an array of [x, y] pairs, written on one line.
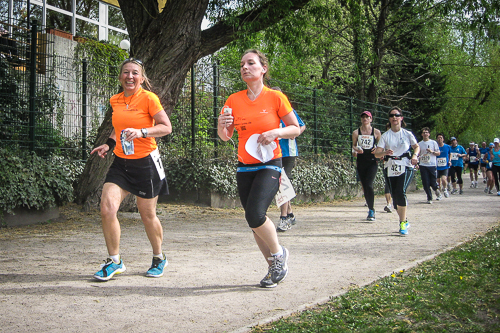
{"points": [[315, 109], [352, 121], [215, 92], [193, 105], [32, 90], [84, 109]]}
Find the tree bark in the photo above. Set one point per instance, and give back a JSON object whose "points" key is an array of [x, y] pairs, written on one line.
{"points": [[169, 43]]}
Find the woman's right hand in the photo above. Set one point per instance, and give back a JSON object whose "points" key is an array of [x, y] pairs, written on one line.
{"points": [[102, 150], [225, 120]]}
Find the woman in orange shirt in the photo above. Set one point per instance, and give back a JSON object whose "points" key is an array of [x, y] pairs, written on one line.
{"points": [[138, 117], [255, 113]]}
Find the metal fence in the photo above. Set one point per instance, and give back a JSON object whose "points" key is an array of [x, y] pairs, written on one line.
{"points": [[54, 104]]}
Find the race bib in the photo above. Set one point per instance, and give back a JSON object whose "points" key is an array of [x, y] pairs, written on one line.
{"points": [[155, 155], [441, 161], [286, 191], [395, 170], [472, 159], [425, 159], [454, 156], [482, 156], [366, 141]]}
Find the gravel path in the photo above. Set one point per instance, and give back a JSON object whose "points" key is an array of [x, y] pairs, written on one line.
{"points": [[211, 283]]}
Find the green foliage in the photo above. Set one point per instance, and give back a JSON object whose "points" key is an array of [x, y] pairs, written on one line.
{"points": [[313, 176], [30, 181]]}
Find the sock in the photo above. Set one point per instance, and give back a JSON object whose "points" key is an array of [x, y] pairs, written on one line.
{"points": [[159, 256], [116, 259], [290, 215], [280, 253]]}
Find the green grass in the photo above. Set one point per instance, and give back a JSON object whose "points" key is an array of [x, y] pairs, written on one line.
{"points": [[458, 291]]}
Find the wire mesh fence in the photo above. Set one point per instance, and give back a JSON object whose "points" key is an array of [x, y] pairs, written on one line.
{"points": [[54, 104]]}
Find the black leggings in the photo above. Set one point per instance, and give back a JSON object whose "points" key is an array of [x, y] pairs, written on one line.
{"points": [[496, 170], [367, 172], [257, 190], [458, 171], [429, 177], [398, 186]]}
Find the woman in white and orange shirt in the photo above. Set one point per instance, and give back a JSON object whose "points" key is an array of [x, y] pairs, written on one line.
{"points": [[256, 112], [138, 117]]}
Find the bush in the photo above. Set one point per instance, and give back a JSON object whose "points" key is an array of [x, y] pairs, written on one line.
{"points": [[30, 181]]}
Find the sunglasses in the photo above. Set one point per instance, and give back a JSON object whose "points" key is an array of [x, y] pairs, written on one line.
{"points": [[394, 115], [136, 61]]}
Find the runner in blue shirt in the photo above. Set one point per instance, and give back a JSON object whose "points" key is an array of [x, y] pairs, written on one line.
{"points": [[473, 156], [290, 151], [457, 165], [495, 167], [443, 164], [483, 150], [487, 159]]}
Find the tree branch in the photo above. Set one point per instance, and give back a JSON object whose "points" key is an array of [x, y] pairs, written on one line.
{"points": [[257, 19]]}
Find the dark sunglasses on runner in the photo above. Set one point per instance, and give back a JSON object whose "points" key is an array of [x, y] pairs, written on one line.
{"points": [[394, 115]]}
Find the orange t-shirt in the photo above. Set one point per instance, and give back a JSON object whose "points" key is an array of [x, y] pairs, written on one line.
{"points": [[257, 117], [142, 107]]}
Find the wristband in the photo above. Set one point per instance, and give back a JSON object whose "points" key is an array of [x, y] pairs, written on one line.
{"points": [[111, 143]]}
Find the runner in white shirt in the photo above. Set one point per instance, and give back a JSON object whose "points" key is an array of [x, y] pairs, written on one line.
{"points": [[394, 146], [429, 149]]}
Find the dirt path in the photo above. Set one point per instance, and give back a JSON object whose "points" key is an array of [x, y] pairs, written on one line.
{"points": [[211, 283]]}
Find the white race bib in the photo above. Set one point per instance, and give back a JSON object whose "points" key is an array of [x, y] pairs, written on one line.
{"points": [[454, 156], [286, 191], [472, 159], [395, 170], [155, 155], [425, 159], [366, 141], [441, 161]]}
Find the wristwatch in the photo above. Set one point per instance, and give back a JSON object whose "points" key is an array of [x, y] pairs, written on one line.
{"points": [[144, 132]]}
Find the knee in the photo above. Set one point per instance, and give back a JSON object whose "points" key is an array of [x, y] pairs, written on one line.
{"points": [[108, 208], [255, 219]]}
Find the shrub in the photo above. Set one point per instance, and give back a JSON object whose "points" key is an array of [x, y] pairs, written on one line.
{"points": [[30, 181]]}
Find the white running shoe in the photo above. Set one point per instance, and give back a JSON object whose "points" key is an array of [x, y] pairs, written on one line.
{"points": [[446, 194]]}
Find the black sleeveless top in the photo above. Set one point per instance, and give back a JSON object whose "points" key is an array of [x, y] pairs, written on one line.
{"points": [[367, 143]]}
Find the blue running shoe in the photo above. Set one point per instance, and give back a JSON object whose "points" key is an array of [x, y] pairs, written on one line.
{"points": [[371, 215], [108, 269], [403, 230], [156, 269]]}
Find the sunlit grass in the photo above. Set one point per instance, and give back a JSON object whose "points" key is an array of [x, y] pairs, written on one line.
{"points": [[458, 291]]}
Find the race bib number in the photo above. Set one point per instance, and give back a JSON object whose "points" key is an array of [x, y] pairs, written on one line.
{"points": [[155, 155], [286, 191], [454, 156], [366, 141], [395, 170], [425, 159], [482, 156], [472, 159], [441, 161]]}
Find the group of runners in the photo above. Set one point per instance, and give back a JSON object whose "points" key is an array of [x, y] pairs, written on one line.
{"points": [[441, 165], [267, 127]]}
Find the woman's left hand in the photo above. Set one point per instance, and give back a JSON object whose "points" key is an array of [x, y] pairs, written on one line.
{"points": [[268, 137], [414, 160]]}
